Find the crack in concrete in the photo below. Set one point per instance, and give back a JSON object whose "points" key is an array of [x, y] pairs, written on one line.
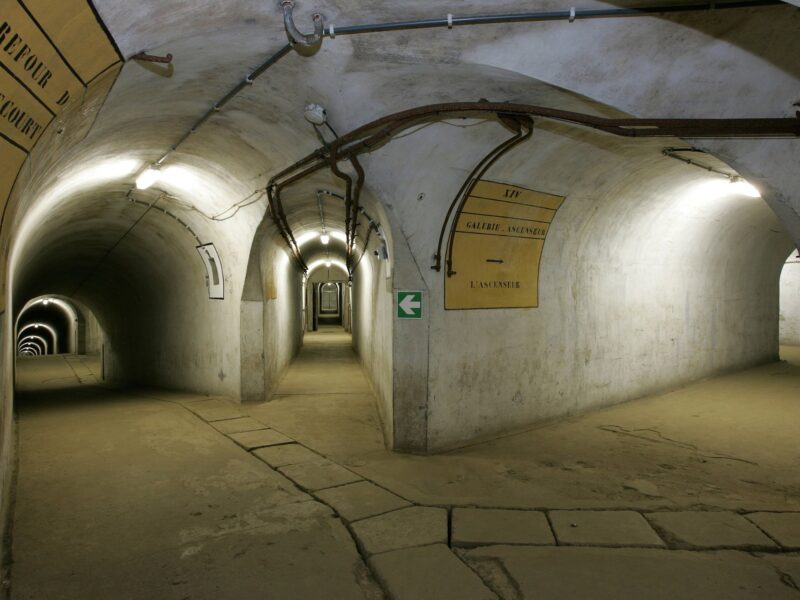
{"points": [[494, 574], [669, 441]]}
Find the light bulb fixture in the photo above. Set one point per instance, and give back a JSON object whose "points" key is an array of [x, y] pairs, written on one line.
{"points": [[740, 186], [327, 263], [315, 114], [147, 178], [46, 301], [324, 238]]}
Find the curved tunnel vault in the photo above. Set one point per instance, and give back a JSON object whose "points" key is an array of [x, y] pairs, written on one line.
{"points": [[653, 272]]}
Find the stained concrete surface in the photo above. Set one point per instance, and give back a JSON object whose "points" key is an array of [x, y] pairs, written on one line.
{"points": [[724, 442], [127, 496], [117, 484]]}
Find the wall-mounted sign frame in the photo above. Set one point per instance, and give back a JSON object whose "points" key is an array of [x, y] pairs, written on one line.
{"points": [[215, 278], [409, 304], [497, 247]]}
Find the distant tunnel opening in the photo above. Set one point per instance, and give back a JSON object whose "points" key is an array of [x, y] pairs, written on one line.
{"points": [[789, 324]]}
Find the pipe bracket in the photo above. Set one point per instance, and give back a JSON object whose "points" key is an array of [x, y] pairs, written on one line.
{"points": [[305, 44], [152, 58]]}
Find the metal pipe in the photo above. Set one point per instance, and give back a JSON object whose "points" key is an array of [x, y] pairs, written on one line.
{"points": [[524, 132], [557, 15], [569, 15], [304, 44], [673, 153], [466, 189]]}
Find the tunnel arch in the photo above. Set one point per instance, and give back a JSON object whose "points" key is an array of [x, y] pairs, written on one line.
{"points": [[36, 327], [71, 316], [138, 270], [39, 341]]}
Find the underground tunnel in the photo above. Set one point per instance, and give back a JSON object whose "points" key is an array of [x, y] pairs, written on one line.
{"points": [[338, 299]]}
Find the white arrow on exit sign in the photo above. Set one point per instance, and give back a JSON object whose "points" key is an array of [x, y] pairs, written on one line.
{"points": [[409, 305]]}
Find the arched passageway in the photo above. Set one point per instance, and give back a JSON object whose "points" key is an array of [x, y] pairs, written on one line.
{"points": [[306, 264]]}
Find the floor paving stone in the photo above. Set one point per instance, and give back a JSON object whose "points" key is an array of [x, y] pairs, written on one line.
{"points": [[707, 529], [573, 573], [286, 454], [404, 528], [361, 500], [787, 564], [428, 573], [486, 526], [319, 474], [603, 528], [214, 410], [238, 425], [783, 527], [260, 438]]}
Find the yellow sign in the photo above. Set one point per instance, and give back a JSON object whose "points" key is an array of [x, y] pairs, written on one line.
{"points": [[497, 247], [50, 52]]}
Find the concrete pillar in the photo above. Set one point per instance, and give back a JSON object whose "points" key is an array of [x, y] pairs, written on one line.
{"points": [[251, 348], [410, 357]]}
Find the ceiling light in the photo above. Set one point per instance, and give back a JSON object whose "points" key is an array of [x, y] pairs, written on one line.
{"points": [[327, 263], [315, 114], [148, 177], [324, 238], [46, 301], [740, 186]]}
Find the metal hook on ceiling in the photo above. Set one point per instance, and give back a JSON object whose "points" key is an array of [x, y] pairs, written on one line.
{"points": [[304, 44]]}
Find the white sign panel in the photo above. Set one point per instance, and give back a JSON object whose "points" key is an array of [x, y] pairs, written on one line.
{"points": [[214, 278]]}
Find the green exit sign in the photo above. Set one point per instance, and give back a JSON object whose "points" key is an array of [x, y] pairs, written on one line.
{"points": [[409, 305]]}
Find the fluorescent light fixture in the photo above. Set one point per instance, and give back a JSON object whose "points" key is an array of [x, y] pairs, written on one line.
{"points": [[148, 177], [324, 238], [740, 186]]}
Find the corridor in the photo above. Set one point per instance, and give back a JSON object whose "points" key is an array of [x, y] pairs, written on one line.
{"points": [[332, 299], [154, 494]]}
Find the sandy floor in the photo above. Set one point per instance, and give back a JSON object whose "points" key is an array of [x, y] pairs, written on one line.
{"points": [[155, 494]]}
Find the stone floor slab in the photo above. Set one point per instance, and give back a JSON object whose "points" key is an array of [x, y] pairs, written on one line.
{"points": [[486, 526], [258, 439], [238, 425], [603, 528], [214, 410], [707, 529], [285, 454], [782, 527], [571, 573], [404, 528], [428, 573], [319, 474], [787, 564], [361, 500]]}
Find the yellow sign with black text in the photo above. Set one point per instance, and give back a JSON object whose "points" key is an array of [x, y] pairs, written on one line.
{"points": [[49, 53], [497, 247]]}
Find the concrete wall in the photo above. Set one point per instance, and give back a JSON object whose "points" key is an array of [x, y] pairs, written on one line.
{"points": [[271, 317], [93, 335], [790, 302], [283, 315], [644, 284], [373, 334], [652, 275]]}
